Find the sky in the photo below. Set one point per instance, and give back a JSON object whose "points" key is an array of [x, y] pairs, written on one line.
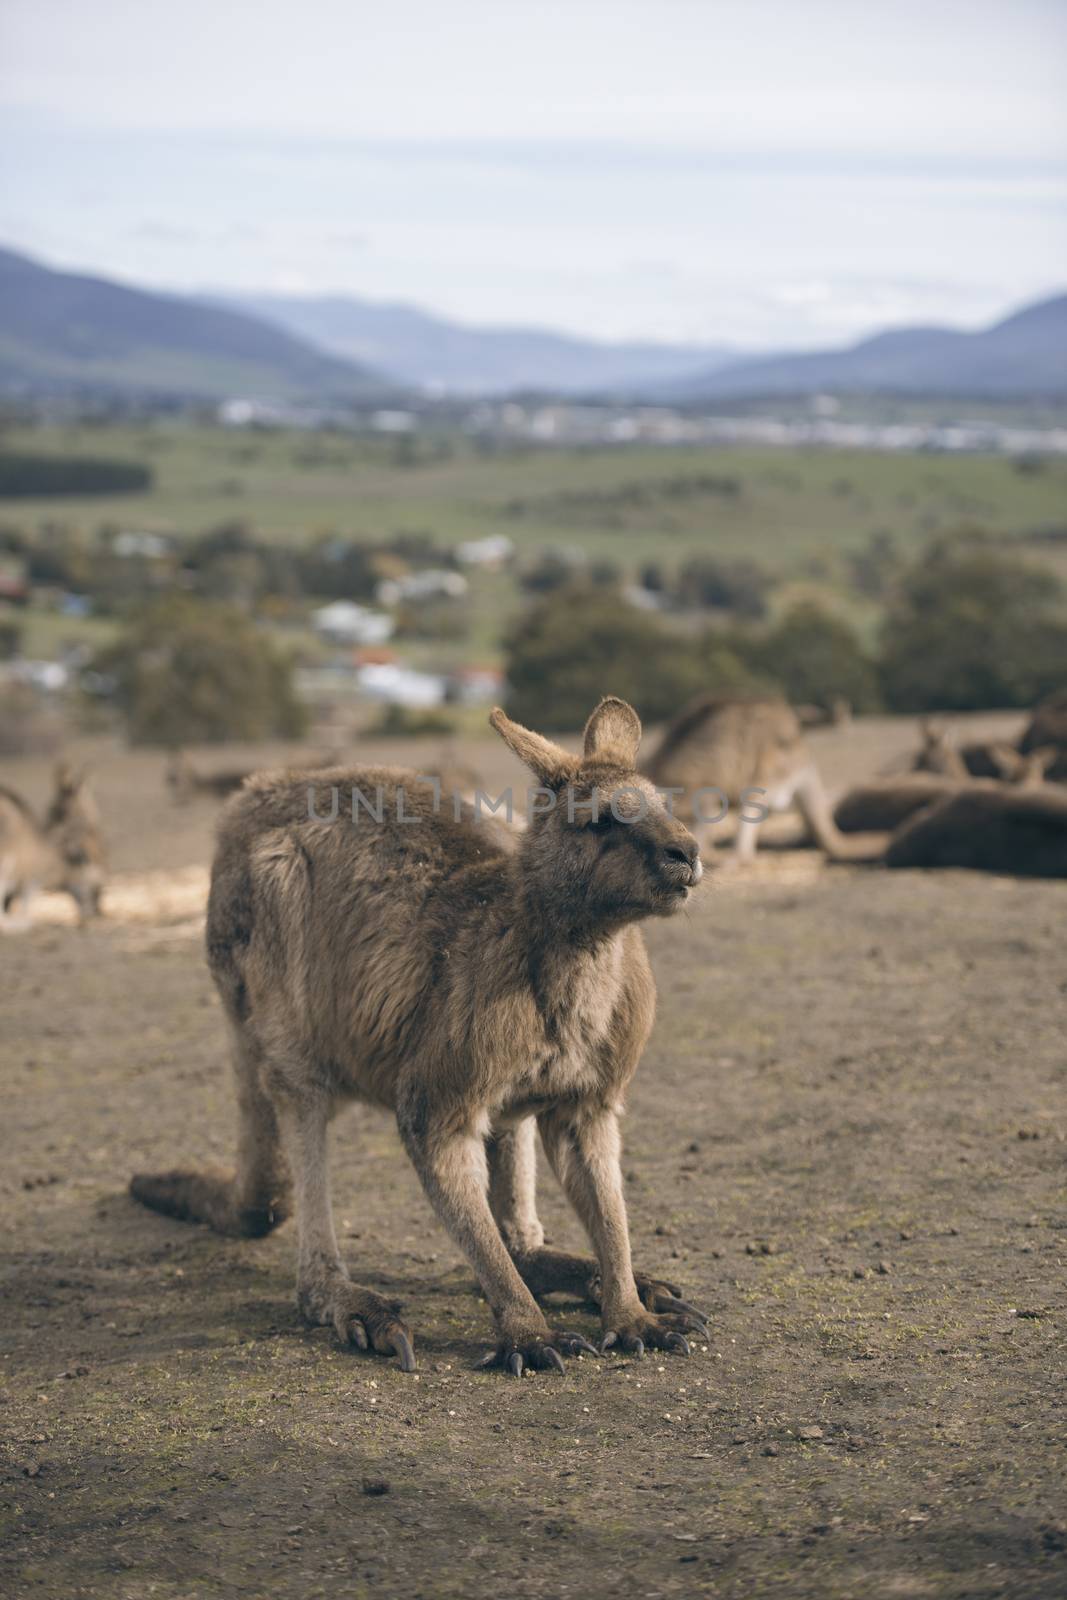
{"points": [[766, 173]]}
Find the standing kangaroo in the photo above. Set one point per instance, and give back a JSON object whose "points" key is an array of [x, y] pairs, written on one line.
{"points": [[475, 983], [752, 751], [66, 852]]}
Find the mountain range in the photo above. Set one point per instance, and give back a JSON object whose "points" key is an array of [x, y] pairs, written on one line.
{"points": [[73, 333], [66, 332], [434, 354], [1023, 355]]}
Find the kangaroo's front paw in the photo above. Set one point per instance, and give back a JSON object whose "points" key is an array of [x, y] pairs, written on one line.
{"points": [[539, 1349], [635, 1332], [359, 1317]]}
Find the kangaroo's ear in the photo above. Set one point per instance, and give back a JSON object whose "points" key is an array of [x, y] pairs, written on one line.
{"points": [[1006, 759], [547, 761], [69, 779], [613, 732]]}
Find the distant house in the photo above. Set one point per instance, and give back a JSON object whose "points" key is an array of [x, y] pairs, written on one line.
{"points": [[433, 583], [492, 552], [345, 622], [475, 685], [145, 546], [398, 685]]}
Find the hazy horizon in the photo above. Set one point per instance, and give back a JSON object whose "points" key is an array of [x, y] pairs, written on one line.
{"points": [[753, 176]]}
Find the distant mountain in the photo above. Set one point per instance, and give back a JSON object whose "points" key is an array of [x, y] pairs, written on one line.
{"points": [[431, 352], [64, 332], [1024, 355]]}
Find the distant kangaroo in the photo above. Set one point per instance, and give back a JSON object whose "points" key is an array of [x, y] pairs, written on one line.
{"points": [[185, 782], [66, 852], [885, 803], [753, 751], [1048, 728], [990, 828], [475, 982]]}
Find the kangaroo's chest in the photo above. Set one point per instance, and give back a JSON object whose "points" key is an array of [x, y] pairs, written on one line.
{"points": [[564, 1049]]}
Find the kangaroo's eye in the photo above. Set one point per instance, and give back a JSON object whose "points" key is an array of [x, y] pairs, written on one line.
{"points": [[77, 858]]}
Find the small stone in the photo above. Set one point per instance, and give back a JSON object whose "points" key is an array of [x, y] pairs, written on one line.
{"points": [[663, 1231], [33, 1469], [861, 1272], [694, 1149], [770, 1450], [885, 1268], [375, 1486], [739, 1438], [813, 1431]]}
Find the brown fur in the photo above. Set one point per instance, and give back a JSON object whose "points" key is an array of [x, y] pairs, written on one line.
{"points": [[753, 750], [990, 828], [1048, 728], [474, 981], [66, 852], [185, 782], [887, 802]]}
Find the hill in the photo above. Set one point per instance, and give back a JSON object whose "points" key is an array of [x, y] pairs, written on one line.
{"points": [[434, 353], [1024, 355], [64, 332]]}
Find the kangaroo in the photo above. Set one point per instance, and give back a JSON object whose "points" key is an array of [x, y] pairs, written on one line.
{"points": [[185, 782], [475, 983], [981, 758], [65, 852], [1048, 728], [883, 805], [991, 828], [751, 751]]}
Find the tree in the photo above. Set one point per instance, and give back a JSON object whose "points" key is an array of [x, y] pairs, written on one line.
{"points": [[972, 628], [582, 642], [814, 658], [190, 671]]}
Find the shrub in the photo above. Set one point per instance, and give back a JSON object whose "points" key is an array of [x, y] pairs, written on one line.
{"points": [[737, 586], [190, 671], [973, 629]]}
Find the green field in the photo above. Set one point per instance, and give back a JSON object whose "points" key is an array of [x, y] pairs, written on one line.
{"points": [[797, 513]]}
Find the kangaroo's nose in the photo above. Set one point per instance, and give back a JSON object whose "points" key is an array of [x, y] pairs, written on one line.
{"points": [[685, 856]]}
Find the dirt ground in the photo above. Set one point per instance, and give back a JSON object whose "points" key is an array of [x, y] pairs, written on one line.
{"points": [[846, 1140]]}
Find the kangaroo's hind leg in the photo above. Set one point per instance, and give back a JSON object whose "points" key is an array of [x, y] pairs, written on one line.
{"points": [[325, 1293], [513, 1198], [253, 1199]]}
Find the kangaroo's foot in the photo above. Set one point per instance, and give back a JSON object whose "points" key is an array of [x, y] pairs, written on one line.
{"points": [[554, 1271], [638, 1331], [358, 1317], [536, 1347], [209, 1197]]}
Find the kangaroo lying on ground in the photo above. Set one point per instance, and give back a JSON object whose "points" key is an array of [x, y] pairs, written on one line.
{"points": [[66, 852], [885, 803], [990, 828], [753, 752], [474, 982], [185, 782]]}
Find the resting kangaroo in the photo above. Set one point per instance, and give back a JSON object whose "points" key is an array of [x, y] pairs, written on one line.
{"points": [[476, 983], [66, 852]]}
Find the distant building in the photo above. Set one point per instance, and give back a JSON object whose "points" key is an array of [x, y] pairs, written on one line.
{"points": [[494, 551], [433, 583], [345, 622], [475, 685], [398, 685]]}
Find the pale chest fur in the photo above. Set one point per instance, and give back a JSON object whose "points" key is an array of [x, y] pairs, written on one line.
{"points": [[561, 1047]]}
